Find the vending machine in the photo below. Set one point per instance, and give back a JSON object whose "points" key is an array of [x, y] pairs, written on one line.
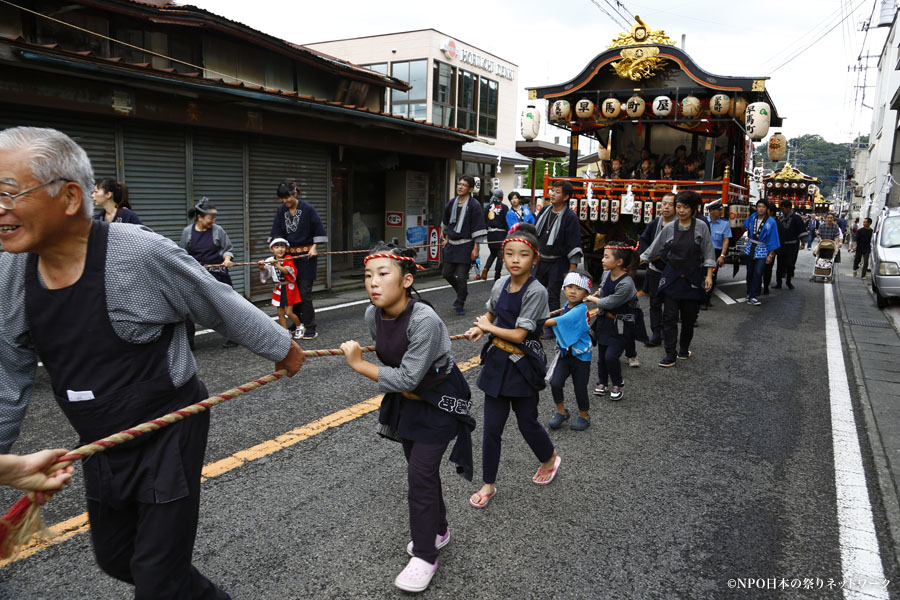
{"points": [[405, 202]]}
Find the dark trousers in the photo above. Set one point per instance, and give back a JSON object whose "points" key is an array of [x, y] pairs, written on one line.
{"points": [[688, 309], [609, 369], [787, 260], [580, 371], [767, 275], [630, 347], [150, 545], [550, 274], [427, 513], [864, 257], [715, 278], [755, 268], [307, 312], [496, 412], [656, 302], [494, 255], [456, 275]]}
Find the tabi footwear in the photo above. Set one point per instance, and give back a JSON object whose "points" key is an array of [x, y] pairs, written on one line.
{"points": [[439, 542], [558, 419], [479, 500], [416, 576], [668, 361], [551, 472]]}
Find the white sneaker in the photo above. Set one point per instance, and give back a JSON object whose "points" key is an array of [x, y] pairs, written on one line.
{"points": [[298, 333], [416, 576], [634, 362], [439, 542]]}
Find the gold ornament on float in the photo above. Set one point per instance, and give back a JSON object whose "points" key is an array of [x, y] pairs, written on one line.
{"points": [[644, 62]]}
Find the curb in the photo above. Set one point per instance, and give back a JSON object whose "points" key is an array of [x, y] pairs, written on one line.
{"points": [[886, 485]]}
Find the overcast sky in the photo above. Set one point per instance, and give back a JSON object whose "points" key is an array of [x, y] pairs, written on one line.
{"points": [[551, 42]]}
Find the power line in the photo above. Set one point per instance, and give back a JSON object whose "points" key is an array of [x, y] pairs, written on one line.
{"points": [[612, 18], [818, 39], [801, 40], [618, 12]]}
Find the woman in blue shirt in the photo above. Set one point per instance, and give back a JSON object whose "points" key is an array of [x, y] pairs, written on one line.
{"points": [[518, 213]]}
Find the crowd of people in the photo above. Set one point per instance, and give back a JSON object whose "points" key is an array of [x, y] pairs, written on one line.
{"points": [[134, 355], [679, 166]]}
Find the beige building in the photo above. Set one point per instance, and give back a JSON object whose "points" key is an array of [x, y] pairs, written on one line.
{"points": [[453, 84]]}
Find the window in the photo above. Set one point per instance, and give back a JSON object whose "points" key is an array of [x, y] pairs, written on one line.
{"points": [[487, 108], [443, 94], [465, 103], [413, 103]]}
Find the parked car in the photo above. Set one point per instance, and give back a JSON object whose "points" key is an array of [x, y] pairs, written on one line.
{"points": [[886, 257]]}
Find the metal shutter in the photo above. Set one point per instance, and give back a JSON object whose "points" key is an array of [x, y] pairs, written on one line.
{"points": [[218, 174], [272, 160], [96, 135], [154, 161]]}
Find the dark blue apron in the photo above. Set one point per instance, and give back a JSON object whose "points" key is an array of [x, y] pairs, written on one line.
{"points": [[627, 324], [443, 411], [513, 375], [682, 279], [104, 384]]}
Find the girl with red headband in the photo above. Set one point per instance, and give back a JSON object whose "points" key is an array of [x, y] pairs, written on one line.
{"points": [[426, 400], [513, 361]]}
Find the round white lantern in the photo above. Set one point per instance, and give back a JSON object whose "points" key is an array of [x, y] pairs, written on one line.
{"points": [[531, 123], [662, 106], [584, 109], [560, 111], [719, 105], [757, 120], [635, 107], [777, 147], [690, 107], [610, 108], [738, 108]]}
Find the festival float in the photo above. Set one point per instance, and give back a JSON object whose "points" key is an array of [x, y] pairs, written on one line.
{"points": [[791, 184], [645, 93]]}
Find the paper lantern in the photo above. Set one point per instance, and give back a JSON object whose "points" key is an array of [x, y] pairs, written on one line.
{"points": [[719, 105], [610, 108], [757, 120], [690, 106], [738, 108], [560, 111], [635, 106], [531, 123], [812, 190], [662, 106], [584, 109], [777, 147]]}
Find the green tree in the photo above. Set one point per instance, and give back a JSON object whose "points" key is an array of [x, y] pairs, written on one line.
{"points": [[815, 156], [554, 167]]}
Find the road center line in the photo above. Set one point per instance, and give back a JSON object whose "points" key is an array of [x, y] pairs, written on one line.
{"points": [[860, 555], [64, 530]]}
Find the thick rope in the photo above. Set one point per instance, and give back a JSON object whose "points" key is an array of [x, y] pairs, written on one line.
{"points": [[24, 519]]}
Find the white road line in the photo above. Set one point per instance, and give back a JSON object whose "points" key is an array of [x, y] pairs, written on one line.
{"points": [[731, 283], [724, 297], [860, 555]]}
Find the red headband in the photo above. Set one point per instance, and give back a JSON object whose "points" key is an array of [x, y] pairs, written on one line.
{"points": [[523, 240], [395, 257], [608, 247]]}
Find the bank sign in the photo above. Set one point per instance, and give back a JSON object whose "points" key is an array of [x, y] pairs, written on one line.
{"points": [[452, 50]]}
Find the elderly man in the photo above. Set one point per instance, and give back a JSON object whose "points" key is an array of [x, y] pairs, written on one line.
{"points": [[113, 341]]}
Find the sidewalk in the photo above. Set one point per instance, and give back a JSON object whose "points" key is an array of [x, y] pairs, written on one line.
{"points": [[874, 351]]}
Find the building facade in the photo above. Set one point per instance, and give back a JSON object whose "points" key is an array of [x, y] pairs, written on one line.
{"points": [[180, 103], [452, 84]]}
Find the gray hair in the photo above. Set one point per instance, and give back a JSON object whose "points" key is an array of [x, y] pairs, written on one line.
{"points": [[53, 154]]}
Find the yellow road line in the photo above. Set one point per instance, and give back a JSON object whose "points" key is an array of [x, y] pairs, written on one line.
{"points": [[64, 530]]}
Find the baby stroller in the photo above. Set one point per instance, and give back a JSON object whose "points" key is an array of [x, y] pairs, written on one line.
{"points": [[824, 267]]}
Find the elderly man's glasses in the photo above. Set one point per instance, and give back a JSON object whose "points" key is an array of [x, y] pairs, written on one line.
{"points": [[8, 201]]}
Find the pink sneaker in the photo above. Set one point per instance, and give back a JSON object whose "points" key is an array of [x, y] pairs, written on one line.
{"points": [[439, 542], [416, 576]]}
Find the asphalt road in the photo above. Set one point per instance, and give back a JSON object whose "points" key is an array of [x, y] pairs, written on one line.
{"points": [[719, 469]]}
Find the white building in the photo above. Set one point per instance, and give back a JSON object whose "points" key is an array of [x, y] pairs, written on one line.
{"points": [[873, 164], [454, 84]]}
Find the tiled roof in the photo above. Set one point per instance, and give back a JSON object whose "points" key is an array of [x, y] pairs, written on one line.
{"points": [[117, 63]]}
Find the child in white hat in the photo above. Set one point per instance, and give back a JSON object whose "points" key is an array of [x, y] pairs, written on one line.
{"points": [[281, 271]]}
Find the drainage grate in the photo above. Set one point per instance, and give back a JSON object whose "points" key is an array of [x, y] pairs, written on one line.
{"points": [[869, 323]]}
